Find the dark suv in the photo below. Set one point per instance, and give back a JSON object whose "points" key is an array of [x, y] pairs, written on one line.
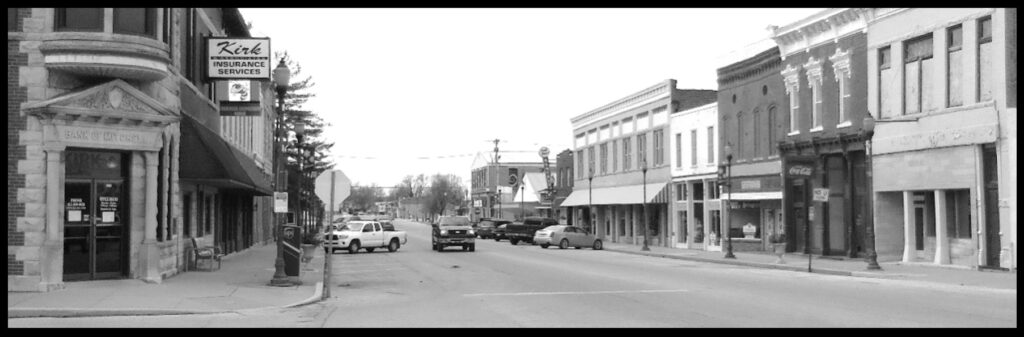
{"points": [[524, 230], [486, 227]]}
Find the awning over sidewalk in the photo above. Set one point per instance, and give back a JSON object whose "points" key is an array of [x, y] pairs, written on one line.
{"points": [[208, 159], [753, 196], [618, 195]]}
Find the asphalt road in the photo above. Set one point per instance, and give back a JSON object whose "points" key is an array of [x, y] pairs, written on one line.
{"points": [[500, 285]]}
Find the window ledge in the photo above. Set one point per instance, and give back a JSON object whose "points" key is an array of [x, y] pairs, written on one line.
{"points": [[794, 133], [845, 124], [817, 129]]}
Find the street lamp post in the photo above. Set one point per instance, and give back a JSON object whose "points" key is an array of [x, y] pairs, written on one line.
{"points": [[728, 198], [281, 77], [522, 196], [590, 203], [300, 133], [869, 229], [643, 168]]}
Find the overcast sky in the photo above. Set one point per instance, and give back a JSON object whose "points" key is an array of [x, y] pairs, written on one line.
{"points": [[411, 91]]}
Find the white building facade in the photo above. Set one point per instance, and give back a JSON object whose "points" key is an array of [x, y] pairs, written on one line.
{"points": [[696, 209]]}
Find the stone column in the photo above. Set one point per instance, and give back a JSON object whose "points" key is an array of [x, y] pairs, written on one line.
{"points": [[51, 255], [151, 252], [941, 226], [909, 231]]}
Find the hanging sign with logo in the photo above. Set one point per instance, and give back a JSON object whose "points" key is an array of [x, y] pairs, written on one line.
{"points": [[242, 99], [238, 58], [800, 170]]}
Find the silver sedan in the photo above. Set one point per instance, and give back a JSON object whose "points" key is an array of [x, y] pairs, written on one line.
{"points": [[565, 236]]}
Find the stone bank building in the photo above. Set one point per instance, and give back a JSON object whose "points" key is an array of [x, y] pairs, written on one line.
{"points": [[118, 154]]}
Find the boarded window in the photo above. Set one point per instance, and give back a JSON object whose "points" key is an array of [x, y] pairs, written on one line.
{"points": [[918, 83], [888, 84], [985, 59], [955, 67]]}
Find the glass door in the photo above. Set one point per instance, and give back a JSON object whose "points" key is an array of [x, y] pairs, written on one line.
{"points": [[94, 229]]}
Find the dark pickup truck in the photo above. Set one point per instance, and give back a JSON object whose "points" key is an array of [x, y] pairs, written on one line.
{"points": [[524, 230]]}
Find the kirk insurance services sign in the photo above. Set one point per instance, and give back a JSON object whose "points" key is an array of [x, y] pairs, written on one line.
{"points": [[238, 58]]}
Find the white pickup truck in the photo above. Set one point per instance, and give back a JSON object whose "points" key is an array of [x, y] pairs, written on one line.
{"points": [[368, 235]]}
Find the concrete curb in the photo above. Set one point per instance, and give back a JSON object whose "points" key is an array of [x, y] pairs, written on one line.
{"points": [[740, 263], [317, 297], [86, 312]]}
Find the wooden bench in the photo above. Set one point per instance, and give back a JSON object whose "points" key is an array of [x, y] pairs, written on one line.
{"points": [[210, 254]]}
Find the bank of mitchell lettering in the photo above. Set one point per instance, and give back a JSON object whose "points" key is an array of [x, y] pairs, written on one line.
{"points": [[102, 136]]}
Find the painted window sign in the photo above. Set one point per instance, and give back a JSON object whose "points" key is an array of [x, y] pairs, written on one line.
{"points": [[238, 58]]}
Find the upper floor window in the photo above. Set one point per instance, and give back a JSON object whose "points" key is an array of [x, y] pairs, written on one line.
{"points": [[954, 66], [579, 163], [615, 156], [641, 150], [711, 145], [679, 150], [841, 68], [693, 148], [791, 79], [773, 127], [814, 81], [659, 147], [79, 19], [917, 71], [604, 158], [590, 161], [740, 129], [137, 21], [985, 54], [888, 83], [627, 157]]}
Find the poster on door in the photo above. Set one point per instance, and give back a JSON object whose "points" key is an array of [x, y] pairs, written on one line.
{"points": [[108, 208], [75, 207]]}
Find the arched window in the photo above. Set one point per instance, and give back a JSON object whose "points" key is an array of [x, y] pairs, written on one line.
{"points": [[774, 127], [757, 142], [738, 153]]}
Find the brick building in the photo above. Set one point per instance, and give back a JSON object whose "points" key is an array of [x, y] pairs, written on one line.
{"points": [[943, 91], [825, 73], [751, 114], [563, 186], [103, 103], [491, 187]]}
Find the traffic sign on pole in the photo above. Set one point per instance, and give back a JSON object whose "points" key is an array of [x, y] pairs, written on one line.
{"points": [[342, 187]]}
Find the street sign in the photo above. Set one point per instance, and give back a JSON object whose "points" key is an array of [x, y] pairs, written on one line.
{"points": [[513, 179], [280, 202], [342, 187], [820, 194]]}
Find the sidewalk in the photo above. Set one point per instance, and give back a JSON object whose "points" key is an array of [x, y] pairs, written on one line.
{"points": [[948, 276], [240, 284]]}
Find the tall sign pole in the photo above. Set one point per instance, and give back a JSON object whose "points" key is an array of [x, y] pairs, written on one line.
{"points": [[330, 249]]}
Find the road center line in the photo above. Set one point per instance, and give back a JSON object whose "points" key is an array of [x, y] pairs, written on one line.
{"points": [[578, 292]]}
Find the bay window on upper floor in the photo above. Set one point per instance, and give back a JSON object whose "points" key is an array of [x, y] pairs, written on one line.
{"points": [[134, 21]]}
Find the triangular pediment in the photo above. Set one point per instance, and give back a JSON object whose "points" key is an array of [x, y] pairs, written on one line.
{"points": [[116, 98]]}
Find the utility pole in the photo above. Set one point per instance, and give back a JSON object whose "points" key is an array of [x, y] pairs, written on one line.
{"points": [[497, 170]]}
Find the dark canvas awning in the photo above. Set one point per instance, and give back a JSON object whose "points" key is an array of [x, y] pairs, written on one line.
{"points": [[208, 159]]}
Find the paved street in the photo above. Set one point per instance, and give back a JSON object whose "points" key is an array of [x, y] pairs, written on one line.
{"points": [[501, 285]]}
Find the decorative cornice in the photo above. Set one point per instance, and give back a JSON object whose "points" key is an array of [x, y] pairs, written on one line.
{"points": [[841, 63], [813, 67], [663, 88], [790, 77]]}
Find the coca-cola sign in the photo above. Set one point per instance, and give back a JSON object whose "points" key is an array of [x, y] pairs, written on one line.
{"points": [[800, 170]]}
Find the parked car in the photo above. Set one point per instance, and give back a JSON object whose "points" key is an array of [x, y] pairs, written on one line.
{"points": [[566, 236], [499, 233], [485, 228], [367, 235], [523, 231], [453, 231]]}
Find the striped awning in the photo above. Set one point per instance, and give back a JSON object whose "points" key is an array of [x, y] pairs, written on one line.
{"points": [[618, 195]]}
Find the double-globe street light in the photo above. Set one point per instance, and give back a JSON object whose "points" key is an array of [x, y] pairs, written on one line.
{"points": [[643, 168], [281, 78], [728, 198]]}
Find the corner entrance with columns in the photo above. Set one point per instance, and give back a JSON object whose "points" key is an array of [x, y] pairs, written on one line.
{"points": [[109, 154]]}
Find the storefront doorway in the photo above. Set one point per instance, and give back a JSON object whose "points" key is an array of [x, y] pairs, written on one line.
{"points": [[95, 221]]}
